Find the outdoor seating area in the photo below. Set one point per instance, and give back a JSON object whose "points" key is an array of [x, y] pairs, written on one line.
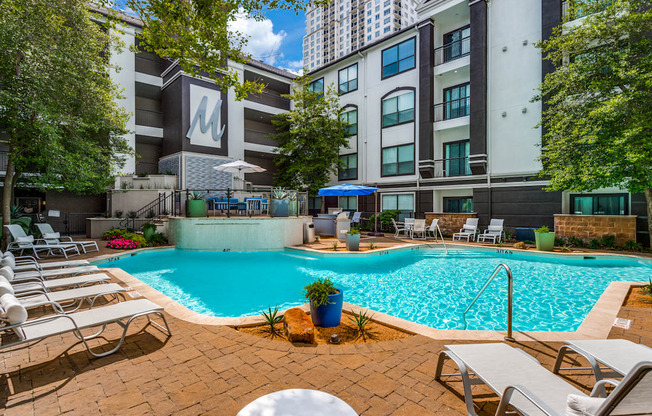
{"points": [[247, 206]]}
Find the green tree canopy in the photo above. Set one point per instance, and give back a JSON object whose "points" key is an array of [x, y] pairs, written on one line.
{"points": [[196, 33], [310, 138], [57, 101], [598, 125]]}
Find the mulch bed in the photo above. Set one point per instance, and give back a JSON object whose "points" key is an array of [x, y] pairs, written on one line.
{"points": [[637, 298], [347, 332]]}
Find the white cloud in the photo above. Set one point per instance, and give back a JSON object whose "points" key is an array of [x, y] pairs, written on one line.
{"points": [[263, 43], [295, 67]]}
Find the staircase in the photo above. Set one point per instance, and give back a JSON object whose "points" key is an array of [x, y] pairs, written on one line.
{"points": [[153, 212]]}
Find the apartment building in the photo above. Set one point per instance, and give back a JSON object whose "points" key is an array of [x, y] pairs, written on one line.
{"points": [[340, 27], [443, 121]]}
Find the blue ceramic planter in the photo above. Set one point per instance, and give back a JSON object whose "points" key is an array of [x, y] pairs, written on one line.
{"points": [[328, 315]]}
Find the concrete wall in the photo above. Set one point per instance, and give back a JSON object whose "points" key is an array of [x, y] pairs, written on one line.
{"points": [[588, 227], [148, 182], [132, 200], [236, 234]]}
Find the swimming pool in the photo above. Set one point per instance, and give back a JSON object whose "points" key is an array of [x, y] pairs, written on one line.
{"points": [[426, 286]]}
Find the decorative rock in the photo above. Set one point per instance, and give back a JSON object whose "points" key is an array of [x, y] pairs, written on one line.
{"points": [[520, 245], [298, 326]]}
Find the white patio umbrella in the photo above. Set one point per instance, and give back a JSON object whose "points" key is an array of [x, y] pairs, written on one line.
{"points": [[239, 167]]}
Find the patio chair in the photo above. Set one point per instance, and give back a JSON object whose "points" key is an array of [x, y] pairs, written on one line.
{"points": [[356, 218], [46, 274], [69, 298], [522, 383], [23, 287], [253, 206], [468, 230], [493, 232], [31, 263], [49, 235], [619, 355], [22, 242], [15, 319], [418, 228], [398, 230], [433, 229]]}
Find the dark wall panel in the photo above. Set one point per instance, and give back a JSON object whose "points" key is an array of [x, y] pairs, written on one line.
{"points": [[478, 80], [639, 207], [525, 206]]}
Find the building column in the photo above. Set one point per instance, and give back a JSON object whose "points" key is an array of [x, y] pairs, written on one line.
{"points": [[478, 80], [550, 18], [426, 99]]}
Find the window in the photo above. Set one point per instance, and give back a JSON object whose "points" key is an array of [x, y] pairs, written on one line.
{"points": [[351, 117], [399, 58], [457, 44], [387, 19], [600, 204], [386, 29], [458, 204], [399, 202], [385, 12], [456, 157], [397, 110], [318, 86], [457, 101], [349, 203], [398, 160], [314, 203], [350, 167]]}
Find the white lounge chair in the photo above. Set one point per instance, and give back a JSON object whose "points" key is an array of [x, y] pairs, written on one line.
{"points": [[46, 274], [356, 218], [37, 284], [493, 232], [418, 228], [62, 299], [398, 230], [619, 355], [522, 383], [468, 230], [50, 236], [30, 263], [15, 318], [22, 242], [433, 229]]}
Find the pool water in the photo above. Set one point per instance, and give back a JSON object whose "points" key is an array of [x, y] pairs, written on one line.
{"points": [[427, 286]]}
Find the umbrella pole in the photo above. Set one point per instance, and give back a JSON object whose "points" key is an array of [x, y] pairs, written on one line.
{"points": [[376, 212]]}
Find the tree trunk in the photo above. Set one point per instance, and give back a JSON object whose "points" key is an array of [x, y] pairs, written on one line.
{"points": [[7, 192], [648, 199]]}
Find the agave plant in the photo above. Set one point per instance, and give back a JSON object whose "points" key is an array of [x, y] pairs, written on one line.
{"points": [[292, 195], [16, 211], [360, 322], [272, 318], [195, 195], [279, 193]]}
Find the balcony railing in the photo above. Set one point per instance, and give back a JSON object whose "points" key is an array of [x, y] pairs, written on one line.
{"points": [[570, 10], [456, 166], [259, 137], [452, 51], [149, 118], [272, 100], [453, 109]]}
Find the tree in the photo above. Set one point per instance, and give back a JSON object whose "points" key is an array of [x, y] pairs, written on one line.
{"points": [[57, 102], [196, 33], [310, 137], [598, 126]]}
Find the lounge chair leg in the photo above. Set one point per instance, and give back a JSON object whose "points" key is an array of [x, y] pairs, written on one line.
{"points": [[564, 349], [466, 380]]}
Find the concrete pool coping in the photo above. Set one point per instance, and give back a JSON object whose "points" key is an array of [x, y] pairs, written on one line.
{"points": [[596, 325]]}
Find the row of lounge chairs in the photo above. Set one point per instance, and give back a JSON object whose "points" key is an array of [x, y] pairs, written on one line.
{"points": [[64, 286], [521, 382], [50, 242]]}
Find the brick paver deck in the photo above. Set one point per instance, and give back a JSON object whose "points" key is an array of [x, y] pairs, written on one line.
{"points": [[217, 370]]}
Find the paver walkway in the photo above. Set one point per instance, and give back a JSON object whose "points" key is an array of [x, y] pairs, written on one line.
{"points": [[217, 370]]}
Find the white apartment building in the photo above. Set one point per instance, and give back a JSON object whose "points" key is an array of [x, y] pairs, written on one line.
{"points": [[340, 27]]}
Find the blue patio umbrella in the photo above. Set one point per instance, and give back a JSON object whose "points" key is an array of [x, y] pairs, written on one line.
{"points": [[346, 189]]}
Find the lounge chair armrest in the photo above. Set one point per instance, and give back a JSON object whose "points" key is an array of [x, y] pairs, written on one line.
{"points": [[35, 279], [599, 388], [24, 295], [40, 321], [66, 238], [525, 392]]}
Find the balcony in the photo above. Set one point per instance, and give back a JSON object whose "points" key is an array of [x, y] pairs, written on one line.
{"points": [[272, 100], [259, 137], [4, 158], [149, 118], [452, 109], [452, 51], [448, 168]]}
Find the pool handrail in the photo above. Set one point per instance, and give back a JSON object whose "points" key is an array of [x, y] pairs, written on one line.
{"points": [[510, 292]]}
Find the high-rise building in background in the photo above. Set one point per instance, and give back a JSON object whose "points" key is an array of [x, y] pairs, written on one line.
{"points": [[343, 26]]}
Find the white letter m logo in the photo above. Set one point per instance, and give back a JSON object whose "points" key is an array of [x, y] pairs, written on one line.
{"points": [[214, 121]]}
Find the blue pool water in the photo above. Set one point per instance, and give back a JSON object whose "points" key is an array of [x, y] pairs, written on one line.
{"points": [[424, 286]]}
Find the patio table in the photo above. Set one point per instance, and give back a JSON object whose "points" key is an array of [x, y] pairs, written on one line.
{"points": [[298, 402]]}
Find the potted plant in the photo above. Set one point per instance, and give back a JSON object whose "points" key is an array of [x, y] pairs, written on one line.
{"points": [[325, 303], [280, 204], [352, 240], [196, 204], [292, 203], [544, 239]]}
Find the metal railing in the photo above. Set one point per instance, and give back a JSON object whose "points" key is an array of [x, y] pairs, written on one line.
{"points": [[510, 291], [163, 205], [456, 166], [449, 110], [273, 100], [452, 51]]}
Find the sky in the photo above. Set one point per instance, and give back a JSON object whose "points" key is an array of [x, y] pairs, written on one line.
{"points": [[277, 40]]}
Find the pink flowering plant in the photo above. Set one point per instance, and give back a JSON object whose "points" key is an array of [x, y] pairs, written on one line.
{"points": [[123, 244]]}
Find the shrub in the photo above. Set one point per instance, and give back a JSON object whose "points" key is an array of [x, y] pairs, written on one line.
{"points": [[575, 242], [609, 241], [157, 239], [560, 241], [317, 292], [360, 321], [136, 238], [353, 231], [648, 288], [543, 229], [122, 244], [385, 220], [594, 244], [272, 318], [632, 245], [113, 233]]}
